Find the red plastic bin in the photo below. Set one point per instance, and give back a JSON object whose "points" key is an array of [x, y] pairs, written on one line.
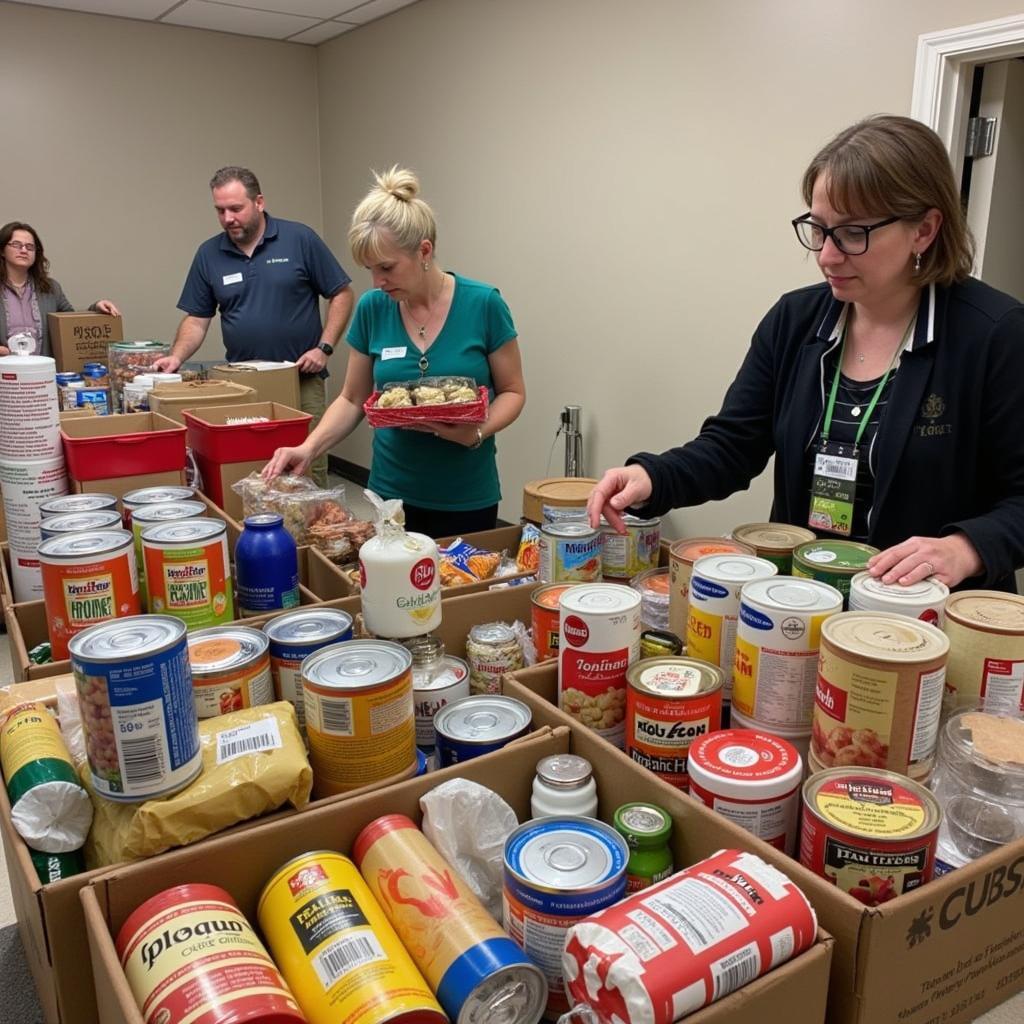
{"points": [[210, 436], [97, 447]]}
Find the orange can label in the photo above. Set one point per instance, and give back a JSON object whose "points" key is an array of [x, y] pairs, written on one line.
{"points": [[193, 584]]}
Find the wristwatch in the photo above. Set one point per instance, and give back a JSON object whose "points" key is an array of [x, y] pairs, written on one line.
{"points": [[328, 350]]}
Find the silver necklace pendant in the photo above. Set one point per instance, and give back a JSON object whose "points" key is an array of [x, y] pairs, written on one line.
{"points": [[425, 365]]}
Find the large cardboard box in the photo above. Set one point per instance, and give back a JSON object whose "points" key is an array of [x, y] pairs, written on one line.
{"points": [[119, 486], [80, 338], [242, 864], [945, 953], [273, 382], [171, 400]]}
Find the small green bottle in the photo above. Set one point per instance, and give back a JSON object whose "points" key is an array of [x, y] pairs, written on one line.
{"points": [[647, 830]]}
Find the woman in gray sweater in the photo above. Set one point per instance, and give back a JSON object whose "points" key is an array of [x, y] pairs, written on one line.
{"points": [[27, 292]]}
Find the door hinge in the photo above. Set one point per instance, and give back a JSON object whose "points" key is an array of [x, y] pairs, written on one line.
{"points": [[981, 136]]}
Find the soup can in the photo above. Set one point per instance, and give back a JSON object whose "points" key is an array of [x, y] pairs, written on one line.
{"points": [[293, 637], [360, 719], [87, 578], [153, 496], [834, 562], [478, 725], [599, 639], [340, 956], [872, 833], [778, 634], [879, 692], [190, 955], [986, 656], [544, 604], [153, 515], [671, 703], [230, 669], [77, 503], [924, 600], [682, 555], [625, 555], [774, 541], [138, 716], [569, 552], [477, 971], [79, 522], [189, 571], [445, 683], [556, 871]]}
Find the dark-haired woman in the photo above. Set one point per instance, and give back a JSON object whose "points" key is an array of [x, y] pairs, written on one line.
{"points": [[28, 292]]}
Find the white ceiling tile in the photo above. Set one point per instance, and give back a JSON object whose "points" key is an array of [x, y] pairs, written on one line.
{"points": [[321, 33], [219, 17], [372, 10], [144, 9], [308, 8]]}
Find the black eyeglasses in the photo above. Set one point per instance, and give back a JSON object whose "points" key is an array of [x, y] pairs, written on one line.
{"points": [[849, 238]]}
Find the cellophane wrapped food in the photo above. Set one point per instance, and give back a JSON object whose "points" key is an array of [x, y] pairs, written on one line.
{"points": [[441, 399], [462, 563]]}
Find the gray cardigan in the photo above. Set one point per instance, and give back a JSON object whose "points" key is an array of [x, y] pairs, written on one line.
{"points": [[53, 301]]}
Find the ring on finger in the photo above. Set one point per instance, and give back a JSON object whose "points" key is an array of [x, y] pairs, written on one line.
{"points": [[929, 567]]}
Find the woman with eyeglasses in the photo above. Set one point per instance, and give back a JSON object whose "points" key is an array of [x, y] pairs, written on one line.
{"points": [[892, 394], [27, 290]]}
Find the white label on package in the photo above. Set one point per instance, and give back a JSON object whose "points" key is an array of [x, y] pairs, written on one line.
{"points": [[762, 872], [700, 915], [782, 943], [253, 738], [653, 928], [232, 278], [398, 352]]}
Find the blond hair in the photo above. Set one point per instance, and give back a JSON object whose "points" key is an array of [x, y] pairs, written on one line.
{"points": [[888, 165], [391, 214]]}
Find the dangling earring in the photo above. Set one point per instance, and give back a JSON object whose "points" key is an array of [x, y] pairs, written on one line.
{"points": [[917, 263], [426, 265]]}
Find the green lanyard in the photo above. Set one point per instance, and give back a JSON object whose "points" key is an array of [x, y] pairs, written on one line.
{"points": [[878, 390]]}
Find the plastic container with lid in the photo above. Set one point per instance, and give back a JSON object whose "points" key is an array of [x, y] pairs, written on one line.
{"points": [[647, 830], [564, 784]]}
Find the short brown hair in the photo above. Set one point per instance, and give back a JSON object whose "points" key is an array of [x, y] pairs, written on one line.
{"points": [[888, 165], [242, 175], [40, 269]]}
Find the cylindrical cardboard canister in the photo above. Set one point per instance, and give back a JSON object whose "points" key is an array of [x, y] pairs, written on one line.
{"points": [[29, 409], [682, 555], [879, 693], [557, 499]]}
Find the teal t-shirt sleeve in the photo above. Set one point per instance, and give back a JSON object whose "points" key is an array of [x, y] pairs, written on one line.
{"points": [[500, 327], [359, 330]]}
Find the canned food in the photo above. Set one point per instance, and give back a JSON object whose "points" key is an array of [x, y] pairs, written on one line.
{"points": [[87, 578], [671, 703], [478, 725], [138, 716], [834, 562], [189, 571], [545, 619], [647, 830], [753, 779], [872, 833], [660, 643], [556, 871], [925, 600], [337, 950], [774, 541], [682, 555], [653, 587], [77, 503], [600, 639], [79, 522], [444, 684], [359, 714], [293, 637], [477, 971], [190, 955], [623, 556], [230, 669], [492, 649], [775, 668], [153, 496], [879, 692], [570, 552], [152, 515]]}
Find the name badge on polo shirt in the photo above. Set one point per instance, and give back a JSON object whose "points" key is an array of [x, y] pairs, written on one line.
{"points": [[232, 279], [393, 353]]}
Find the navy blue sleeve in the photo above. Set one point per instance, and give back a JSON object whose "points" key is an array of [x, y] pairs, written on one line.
{"points": [[197, 298], [325, 272]]}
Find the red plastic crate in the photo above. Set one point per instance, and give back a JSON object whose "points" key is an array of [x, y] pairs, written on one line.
{"points": [[98, 447], [212, 438]]}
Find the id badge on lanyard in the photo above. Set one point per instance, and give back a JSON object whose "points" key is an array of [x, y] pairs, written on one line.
{"points": [[834, 488]]}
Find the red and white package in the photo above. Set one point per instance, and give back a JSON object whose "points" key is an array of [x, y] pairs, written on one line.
{"points": [[667, 951]]}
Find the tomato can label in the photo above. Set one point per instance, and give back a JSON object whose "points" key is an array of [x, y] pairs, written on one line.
{"points": [[544, 605]]}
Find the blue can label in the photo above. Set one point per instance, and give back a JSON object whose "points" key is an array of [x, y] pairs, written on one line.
{"points": [[755, 619], [451, 751], [706, 589]]}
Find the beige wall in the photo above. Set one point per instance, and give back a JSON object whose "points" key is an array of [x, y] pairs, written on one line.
{"points": [[626, 175], [111, 130]]}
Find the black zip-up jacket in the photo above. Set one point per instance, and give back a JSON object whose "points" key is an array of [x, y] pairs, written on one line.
{"points": [[949, 451]]}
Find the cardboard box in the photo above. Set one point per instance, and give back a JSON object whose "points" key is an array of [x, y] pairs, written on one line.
{"points": [[171, 399], [6, 589], [945, 953], [243, 863], [277, 382], [80, 338], [218, 478], [119, 486]]}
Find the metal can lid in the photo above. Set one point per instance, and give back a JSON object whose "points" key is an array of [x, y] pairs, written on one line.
{"points": [[652, 582], [119, 639], [631, 522], [79, 522], [356, 664], [745, 763], [167, 511], [264, 520], [689, 549], [792, 593], [157, 495], [984, 609], [885, 636], [492, 633], [76, 503], [82, 545], [733, 568], [482, 718], [643, 824], [550, 595], [566, 854], [220, 648], [516, 992], [836, 555], [675, 676], [572, 529], [776, 537], [450, 671], [184, 531], [564, 771], [600, 599], [928, 591], [308, 625]]}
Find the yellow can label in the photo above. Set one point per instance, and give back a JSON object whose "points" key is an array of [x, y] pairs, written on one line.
{"points": [[30, 734], [704, 635], [744, 676], [881, 811]]}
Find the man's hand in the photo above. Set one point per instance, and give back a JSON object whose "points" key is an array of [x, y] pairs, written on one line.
{"points": [[167, 364], [312, 361], [106, 306]]}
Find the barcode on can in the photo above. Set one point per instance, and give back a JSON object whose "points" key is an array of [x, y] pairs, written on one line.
{"points": [[333, 962], [735, 970], [336, 716], [142, 760]]}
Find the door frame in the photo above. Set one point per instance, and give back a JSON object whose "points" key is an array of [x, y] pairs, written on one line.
{"points": [[944, 68]]}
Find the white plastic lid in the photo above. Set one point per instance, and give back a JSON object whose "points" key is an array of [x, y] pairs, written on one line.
{"points": [[745, 764]]}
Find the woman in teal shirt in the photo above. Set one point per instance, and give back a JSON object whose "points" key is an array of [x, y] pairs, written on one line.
{"points": [[420, 320]]}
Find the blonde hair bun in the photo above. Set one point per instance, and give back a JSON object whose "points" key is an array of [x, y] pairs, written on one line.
{"points": [[399, 182], [391, 214]]}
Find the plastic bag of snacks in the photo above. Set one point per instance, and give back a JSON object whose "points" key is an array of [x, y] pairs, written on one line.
{"points": [[461, 563], [444, 399], [528, 555]]}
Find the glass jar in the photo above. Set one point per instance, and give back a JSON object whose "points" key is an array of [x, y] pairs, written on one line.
{"points": [[127, 359], [647, 830], [427, 657], [492, 649], [564, 784]]}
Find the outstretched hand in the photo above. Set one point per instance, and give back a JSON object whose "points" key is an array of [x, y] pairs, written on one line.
{"points": [[618, 489]]}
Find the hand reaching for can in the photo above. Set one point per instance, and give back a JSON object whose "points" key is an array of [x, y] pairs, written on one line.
{"points": [[618, 489]]}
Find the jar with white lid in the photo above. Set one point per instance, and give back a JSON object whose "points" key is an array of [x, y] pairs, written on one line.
{"points": [[564, 785]]}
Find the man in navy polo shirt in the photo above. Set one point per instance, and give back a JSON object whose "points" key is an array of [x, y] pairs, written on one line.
{"points": [[265, 277]]}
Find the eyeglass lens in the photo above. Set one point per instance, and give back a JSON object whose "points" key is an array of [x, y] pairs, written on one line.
{"points": [[27, 246], [850, 238]]}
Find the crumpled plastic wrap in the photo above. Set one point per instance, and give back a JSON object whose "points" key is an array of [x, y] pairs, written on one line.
{"points": [[223, 795], [468, 824]]}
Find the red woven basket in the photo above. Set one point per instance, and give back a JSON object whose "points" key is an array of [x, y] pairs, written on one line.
{"points": [[463, 412]]}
